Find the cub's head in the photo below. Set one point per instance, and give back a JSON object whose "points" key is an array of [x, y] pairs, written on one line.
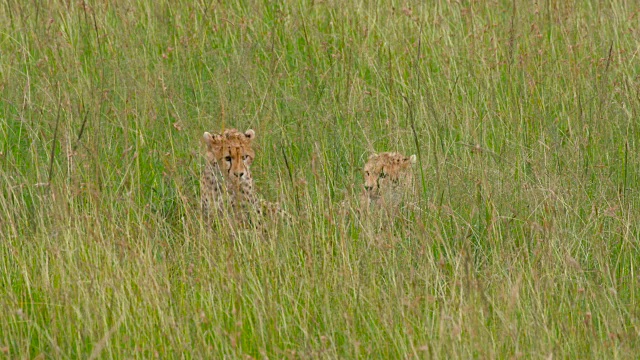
{"points": [[386, 170], [232, 151]]}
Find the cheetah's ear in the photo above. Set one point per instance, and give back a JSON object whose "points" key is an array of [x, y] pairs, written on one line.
{"points": [[373, 156], [412, 159], [207, 138], [250, 134], [211, 139]]}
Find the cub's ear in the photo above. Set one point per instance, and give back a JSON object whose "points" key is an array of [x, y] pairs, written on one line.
{"points": [[372, 156], [412, 159], [209, 139], [250, 134]]}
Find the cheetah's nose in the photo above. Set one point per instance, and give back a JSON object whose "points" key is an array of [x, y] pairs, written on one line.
{"points": [[368, 188], [239, 174]]}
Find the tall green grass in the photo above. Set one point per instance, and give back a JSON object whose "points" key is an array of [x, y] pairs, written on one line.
{"points": [[524, 237]]}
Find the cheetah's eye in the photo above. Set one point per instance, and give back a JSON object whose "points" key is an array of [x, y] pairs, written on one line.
{"points": [[383, 175], [227, 158], [366, 173]]}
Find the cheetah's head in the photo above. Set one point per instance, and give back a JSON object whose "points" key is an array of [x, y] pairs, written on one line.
{"points": [[232, 151], [386, 170]]}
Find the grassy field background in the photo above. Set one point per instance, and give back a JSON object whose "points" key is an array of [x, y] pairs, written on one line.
{"points": [[523, 240]]}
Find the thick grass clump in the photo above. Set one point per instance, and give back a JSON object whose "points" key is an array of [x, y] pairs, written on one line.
{"points": [[522, 239]]}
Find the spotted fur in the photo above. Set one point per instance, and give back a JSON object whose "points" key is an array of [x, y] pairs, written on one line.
{"points": [[387, 177], [227, 184]]}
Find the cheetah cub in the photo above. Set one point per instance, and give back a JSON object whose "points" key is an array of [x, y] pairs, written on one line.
{"points": [[226, 182], [388, 176]]}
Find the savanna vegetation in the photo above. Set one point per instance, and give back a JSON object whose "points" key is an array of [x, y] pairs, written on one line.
{"points": [[522, 239]]}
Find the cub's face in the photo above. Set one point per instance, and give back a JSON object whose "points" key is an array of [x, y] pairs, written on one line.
{"points": [[386, 170], [232, 152]]}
